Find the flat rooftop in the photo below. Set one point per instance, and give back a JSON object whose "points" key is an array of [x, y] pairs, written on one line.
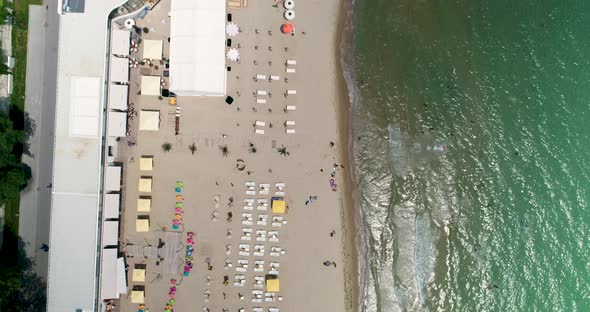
{"points": [[74, 224]]}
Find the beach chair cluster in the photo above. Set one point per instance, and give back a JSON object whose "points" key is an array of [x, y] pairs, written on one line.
{"points": [[188, 258], [171, 296], [177, 222], [259, 127], [259, 248]]}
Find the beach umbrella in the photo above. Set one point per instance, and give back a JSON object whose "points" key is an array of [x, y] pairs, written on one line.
{"points": [[229, 100], [289, 15], [289, 4], [287, 28], [232, 29], [233, 54]]}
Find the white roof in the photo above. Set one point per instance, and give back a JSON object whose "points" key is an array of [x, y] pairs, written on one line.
{"points": [[152, 49], [117, 124], [119, 69], [112, 179], [118, 95], [149, 120], [108, 274], [111, 206], [197, 47], [120, 41], [72, 280], [110, 233], [150, 85]]}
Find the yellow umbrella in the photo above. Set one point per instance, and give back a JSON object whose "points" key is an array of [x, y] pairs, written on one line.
{"points": [[273, 285], [138, 275], [144, 204], [142, 225], [137, 296], [146, 163], [278, 206]]}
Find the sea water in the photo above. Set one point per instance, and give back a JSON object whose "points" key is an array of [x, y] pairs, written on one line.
{"points": [[471, 141]]}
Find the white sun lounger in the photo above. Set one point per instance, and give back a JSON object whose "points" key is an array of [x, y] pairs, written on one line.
{"points": [[291, 92], [261, 77], [289, 123], [253, 192], [258, 131], [260, 101], [290, 131], [261, 92], [245, 222], [248, 208], [273, 309], [291, 107], [250, 183], [261, 207], [275, 78], [260, 123], [291, 62], [290, 71]]}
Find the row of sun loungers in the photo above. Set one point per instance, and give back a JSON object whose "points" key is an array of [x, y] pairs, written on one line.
{"points": [[263, 188]]}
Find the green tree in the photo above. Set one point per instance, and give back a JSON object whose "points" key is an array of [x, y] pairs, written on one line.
{"points": [[21, 289], [12, 174]]}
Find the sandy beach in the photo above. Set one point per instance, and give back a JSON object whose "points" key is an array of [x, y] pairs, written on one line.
{"points": [[312, 174]]}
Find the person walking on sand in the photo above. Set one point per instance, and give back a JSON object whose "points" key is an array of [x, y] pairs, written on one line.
{"points": [[332, 233]]}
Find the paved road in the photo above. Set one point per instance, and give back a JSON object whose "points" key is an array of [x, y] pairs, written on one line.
{"points": [[40, 104]]}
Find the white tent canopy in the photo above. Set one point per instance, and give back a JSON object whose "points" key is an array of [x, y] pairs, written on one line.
{"points": [[149, 120], [150, 85], [152, 49], [121, 277], [117, 124], [111, 206], [120, 42], [119, 69], [108, 274], [112, 179], [118, 96], [197, 48], [110, 233]]}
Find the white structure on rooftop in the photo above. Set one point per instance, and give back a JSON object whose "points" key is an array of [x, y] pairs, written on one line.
{"points": [[74, 258], [197, 47]]}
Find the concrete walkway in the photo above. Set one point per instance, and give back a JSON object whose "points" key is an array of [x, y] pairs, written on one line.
{"points": [[35, 204]]}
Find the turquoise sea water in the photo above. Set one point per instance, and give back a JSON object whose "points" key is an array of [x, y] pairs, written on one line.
{"points": [[499, 220]]}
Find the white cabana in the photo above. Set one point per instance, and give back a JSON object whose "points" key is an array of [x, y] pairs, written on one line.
{"points": [[152, 49], [112, 180], [111, 206], [197, 48], [149, 120], [117, 124], [120, 42], [119, 69], [118, 95], [108, 274], [150, 85], [110, 233], [121, 277]]}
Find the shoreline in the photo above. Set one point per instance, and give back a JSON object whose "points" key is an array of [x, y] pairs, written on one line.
{"points": [[349, 201]]}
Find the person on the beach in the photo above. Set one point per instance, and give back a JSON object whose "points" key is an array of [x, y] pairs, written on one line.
{"points": [[332, 233], [327, 263], [331, 144]]}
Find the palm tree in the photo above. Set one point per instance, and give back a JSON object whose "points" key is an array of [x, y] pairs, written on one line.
{"points": [[283, 151], [166, 147], [252, 148], [192, 148], [224, 150]]}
